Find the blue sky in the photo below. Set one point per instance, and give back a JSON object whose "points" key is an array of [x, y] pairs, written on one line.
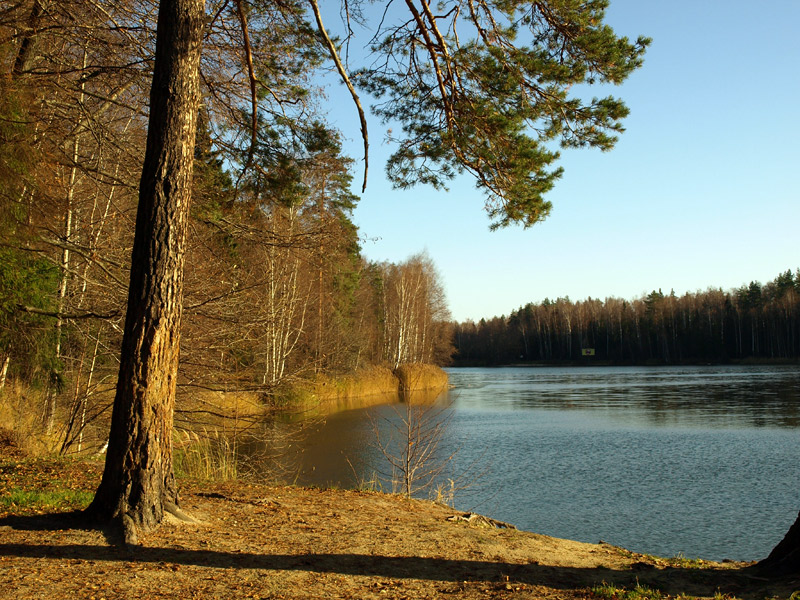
{"points": [[700, 191]]}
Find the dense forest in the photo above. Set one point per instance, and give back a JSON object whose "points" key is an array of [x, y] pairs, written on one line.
{"points": [[754, 321], [275, 287]]}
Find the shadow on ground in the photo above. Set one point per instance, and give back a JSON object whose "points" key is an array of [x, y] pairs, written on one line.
{"points": [[742, 583]]}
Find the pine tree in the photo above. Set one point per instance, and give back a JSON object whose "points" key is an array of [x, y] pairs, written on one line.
{"points": [[489, 105], [492, 104]]}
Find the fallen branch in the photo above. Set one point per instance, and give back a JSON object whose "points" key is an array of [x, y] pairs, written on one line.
{"points": [[480, 521]]}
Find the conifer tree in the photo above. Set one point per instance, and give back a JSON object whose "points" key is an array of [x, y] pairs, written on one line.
{"points": [[485, 87], [481, 87]]}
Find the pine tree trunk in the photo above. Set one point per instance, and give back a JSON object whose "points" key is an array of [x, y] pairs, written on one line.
{"points": [[785, 557], [138, 483]]}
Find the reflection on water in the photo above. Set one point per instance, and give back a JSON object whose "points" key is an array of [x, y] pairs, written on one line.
{"points": [[703, 461], [681, 396]]}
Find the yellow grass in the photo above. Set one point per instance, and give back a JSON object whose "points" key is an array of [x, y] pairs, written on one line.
{"points": [[417, 377], [373, 385], [370, 381], [21, 410]]}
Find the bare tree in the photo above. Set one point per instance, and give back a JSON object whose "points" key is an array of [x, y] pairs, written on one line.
{"points": [[411, 440]]}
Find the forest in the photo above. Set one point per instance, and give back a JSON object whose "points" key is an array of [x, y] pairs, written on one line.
{"points": [[275, 287], [752, 322]]}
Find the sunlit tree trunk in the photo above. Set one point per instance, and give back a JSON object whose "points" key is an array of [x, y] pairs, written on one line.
{"points": [[138, 483]]}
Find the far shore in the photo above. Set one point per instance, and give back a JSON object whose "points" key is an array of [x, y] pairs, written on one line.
{"points": [[591, 362]]}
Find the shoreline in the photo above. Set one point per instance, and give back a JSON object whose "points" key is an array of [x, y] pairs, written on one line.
{"points": [[263, 541]]}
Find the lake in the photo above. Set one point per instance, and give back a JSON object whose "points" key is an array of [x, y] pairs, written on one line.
{"points": [[698, 461]]}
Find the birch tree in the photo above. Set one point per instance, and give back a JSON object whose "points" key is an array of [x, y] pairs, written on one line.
{"points": [[414, 312]]}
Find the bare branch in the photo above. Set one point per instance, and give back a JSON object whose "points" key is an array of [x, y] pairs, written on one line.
{"points": [[248, 52], [343, 74], [62, 315]]}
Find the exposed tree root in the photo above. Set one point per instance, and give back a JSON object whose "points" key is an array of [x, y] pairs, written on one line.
{"points": [[130, 532], [172, 509]]}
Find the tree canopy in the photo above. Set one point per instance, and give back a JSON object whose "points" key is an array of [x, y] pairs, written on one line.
{"points": [[487, 87]]}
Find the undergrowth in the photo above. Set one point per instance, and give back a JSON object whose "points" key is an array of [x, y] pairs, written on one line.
{"points": [[606, 591], [212, 456]]}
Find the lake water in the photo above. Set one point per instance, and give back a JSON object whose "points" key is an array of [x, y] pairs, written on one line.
{"points": [[699, 461]]}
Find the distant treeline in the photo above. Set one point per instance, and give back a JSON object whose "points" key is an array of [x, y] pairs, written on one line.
{"points": [[751, 322]]}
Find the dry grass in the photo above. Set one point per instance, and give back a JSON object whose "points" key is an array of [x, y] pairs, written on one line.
{"points": [[371, 381], [21, 419], [374, 385], [210, 428], [205, 456], [418, 377]]}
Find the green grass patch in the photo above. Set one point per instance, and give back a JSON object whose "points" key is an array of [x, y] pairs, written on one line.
{"points": [[680, 561], [607, 591], [685, 563], [34, 500]]}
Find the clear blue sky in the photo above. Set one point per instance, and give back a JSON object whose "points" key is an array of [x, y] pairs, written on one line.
{"points": [[701, 190]]}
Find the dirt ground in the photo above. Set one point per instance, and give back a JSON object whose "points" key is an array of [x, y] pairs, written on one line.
{"points": [[290, 542]]}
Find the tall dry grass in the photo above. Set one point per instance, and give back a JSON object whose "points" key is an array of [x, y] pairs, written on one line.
{"points": [[418, 377], [369, 381], [411, 382], [210, 427], [21, 419], [205, 455]]}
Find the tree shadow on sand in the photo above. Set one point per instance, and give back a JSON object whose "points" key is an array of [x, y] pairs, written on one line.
{"points": [[745, 583]]}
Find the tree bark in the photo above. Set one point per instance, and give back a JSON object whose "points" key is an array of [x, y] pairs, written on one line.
{"points": [[138, 484], [785, 557]]}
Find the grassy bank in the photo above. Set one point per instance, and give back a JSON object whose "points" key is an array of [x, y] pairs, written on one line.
{"points": [[215, 433], [203, 416], [367, 386], [368, 382], [420, 378]]}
